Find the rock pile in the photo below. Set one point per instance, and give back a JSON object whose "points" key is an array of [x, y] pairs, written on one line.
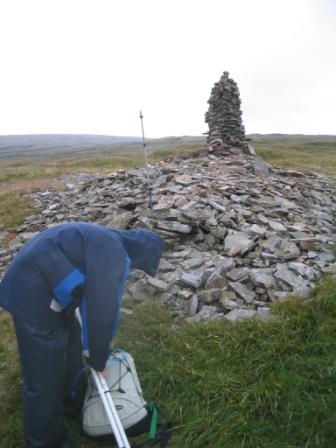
{"points": [[238, 234], [226, 131]]}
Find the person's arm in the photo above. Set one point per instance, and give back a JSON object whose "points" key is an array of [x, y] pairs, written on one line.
{"points": [[106, 268], [61, 275]]}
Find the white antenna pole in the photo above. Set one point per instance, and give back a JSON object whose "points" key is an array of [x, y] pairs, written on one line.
{"points": [[105, 395], [146, 163]]}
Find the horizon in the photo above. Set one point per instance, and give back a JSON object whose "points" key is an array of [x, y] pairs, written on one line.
{"points": [[157, 138]]}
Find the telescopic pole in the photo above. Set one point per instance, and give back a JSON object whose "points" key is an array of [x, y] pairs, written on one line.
{"points": [[110, 409], [146, 163]]}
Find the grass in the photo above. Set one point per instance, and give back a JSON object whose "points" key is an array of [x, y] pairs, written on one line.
{"points": [[314, 155], [248, 385], [41, 167], [15, 206]]}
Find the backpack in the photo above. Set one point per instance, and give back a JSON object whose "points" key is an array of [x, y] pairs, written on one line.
{"points": [[136, 414]]}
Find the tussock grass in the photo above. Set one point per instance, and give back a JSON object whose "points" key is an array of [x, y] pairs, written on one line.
{"points": [[10, 385], [318, 156], [15, 206], [41, 167], [251, 384]]}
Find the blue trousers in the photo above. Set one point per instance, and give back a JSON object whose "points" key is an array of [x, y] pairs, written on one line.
{"points": [[51, 357]]}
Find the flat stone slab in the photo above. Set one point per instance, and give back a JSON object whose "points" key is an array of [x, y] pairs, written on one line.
{"points": [[284, 274], [192, 279], [224, 264], [238, 274], [174, 226], [193, 305], [261, 278], [157, 284], [229, 304], [216, 281], [240, 314], [277, 226], [238, 243], [287, 250], [184, 180], [207, 312], [193, 263], [165, 266], [242, 291], [196, 214], [162, 208], [255, 229], [302, 269]]}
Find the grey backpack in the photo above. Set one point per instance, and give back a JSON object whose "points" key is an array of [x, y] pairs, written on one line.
{"points": [[123, 382]]}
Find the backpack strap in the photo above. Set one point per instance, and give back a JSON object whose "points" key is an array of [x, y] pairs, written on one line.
{"points": [[154, 437]]}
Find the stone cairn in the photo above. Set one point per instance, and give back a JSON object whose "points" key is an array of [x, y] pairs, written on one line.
{"points": [[226, 131], [239, 235]]}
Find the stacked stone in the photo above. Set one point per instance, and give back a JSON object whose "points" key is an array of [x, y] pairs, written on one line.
{"points": [[226, 131], [238, 233]]}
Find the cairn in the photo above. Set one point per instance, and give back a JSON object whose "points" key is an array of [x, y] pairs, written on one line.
{"points": [[226, 132], [237, 238]]}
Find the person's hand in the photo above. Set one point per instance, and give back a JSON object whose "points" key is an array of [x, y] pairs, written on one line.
{"points": [[104, 373]]}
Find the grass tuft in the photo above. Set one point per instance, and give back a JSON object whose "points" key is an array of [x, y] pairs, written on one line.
{"points": [[301, 153], [247, 384], [15, 206]]}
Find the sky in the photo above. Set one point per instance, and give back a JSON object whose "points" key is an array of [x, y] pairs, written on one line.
{"points": [[89, 66]]}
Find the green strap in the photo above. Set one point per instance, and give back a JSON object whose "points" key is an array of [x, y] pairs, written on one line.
{"points": [[154, 421]]}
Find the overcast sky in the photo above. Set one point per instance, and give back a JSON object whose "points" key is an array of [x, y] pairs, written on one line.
{"points": [[88, 66]]}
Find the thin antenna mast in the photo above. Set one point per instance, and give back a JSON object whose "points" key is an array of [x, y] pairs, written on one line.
{"points": [[149, 186]]}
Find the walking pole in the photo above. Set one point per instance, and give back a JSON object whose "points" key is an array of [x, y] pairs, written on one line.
{"points": [[146, 163], [111, 412]]}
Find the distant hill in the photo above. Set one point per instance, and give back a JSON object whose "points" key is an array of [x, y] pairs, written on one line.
{"points": [[38, 145], [56, 144], [53, 145], [287, 137], [37, 139]]}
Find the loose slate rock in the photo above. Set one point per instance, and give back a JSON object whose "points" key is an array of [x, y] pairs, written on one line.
{"points": [[238, 274], [240, 314], [157, 284], [216, 220], [238, 243], [173, 226], [284, 274], [245, 293], [261, 278], [192, 279]]}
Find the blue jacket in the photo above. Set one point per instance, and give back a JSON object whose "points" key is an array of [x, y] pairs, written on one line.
{"points": [[78, 256]]}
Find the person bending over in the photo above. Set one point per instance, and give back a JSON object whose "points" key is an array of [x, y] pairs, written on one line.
{"points": [[69, 265]]}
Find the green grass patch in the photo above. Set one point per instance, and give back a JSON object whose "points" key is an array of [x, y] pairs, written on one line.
{"points": [[10, 385], [42, 167], [251, 384], [319, 156], [15, 206], [312, 154]]}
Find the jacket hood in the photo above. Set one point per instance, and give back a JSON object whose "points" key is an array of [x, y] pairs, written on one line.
{"points": [[144, 249]]}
